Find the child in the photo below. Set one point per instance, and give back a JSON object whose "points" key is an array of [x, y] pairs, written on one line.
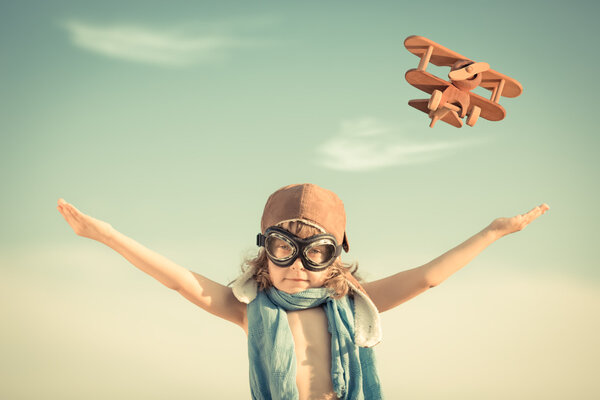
{"points": [[311, 325]]}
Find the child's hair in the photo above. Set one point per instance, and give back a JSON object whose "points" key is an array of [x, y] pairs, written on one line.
{"points": [[336, 282]]}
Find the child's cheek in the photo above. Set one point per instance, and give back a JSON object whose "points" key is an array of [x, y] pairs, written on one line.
{"points": [[318, 278]]}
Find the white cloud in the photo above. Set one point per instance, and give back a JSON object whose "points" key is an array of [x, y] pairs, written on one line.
{"points": [[175, 47], [367, 143]]}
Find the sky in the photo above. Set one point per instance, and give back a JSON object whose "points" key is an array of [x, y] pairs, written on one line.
{"points": [[175, 121]]}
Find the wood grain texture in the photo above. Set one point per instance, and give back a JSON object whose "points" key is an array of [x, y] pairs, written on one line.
{"points": [[427, 82], [444, 57]]}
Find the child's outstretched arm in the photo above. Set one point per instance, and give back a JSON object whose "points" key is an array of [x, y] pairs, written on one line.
{"points": [[392, 291], [211, 296]]}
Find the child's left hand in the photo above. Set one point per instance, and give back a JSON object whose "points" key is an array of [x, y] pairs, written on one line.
{"points": [[504, 226]]}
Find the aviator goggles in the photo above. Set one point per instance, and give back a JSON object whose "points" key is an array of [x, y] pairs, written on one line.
{"points": [[283, 248]]}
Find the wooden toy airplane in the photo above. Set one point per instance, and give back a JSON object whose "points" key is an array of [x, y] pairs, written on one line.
{"points": [[452, 101]]}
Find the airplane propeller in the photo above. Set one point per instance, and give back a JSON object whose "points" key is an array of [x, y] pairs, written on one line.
{"points": [[468, 71]]}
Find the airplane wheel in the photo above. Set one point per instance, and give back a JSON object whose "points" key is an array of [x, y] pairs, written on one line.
{"points": [[434, 100], [473, 116]]}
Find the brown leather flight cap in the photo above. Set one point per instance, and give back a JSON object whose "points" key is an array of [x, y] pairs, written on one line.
{"points": [[307, 202]]}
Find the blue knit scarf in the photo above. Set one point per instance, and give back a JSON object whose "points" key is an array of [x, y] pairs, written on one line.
{"points": [[271, 353]]}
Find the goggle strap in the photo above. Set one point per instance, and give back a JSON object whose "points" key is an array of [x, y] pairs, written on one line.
{"points": [[260, 240]]}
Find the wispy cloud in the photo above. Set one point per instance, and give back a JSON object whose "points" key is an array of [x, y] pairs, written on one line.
{"points": [[174, 47], [368, 143]]}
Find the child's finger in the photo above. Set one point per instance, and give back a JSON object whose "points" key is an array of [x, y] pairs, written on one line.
{"points": [[71, 207], [65, 215], [64, 205], [75, 209], [542, 208], [67, 206], [70, 211], [533, 210], [61, 211], [536, 212]]}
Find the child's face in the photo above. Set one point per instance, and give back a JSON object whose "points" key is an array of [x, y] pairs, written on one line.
{"points": [[295, 278]]}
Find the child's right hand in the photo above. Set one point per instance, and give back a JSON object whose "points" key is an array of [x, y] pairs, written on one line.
{"points": [[83, 224]]}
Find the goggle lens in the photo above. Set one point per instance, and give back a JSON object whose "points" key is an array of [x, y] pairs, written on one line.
{"points": [[283, 248], [279, 248], [320, 253]]}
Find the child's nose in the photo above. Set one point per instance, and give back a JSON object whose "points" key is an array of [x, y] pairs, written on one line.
{"points": [[297, 264]]}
